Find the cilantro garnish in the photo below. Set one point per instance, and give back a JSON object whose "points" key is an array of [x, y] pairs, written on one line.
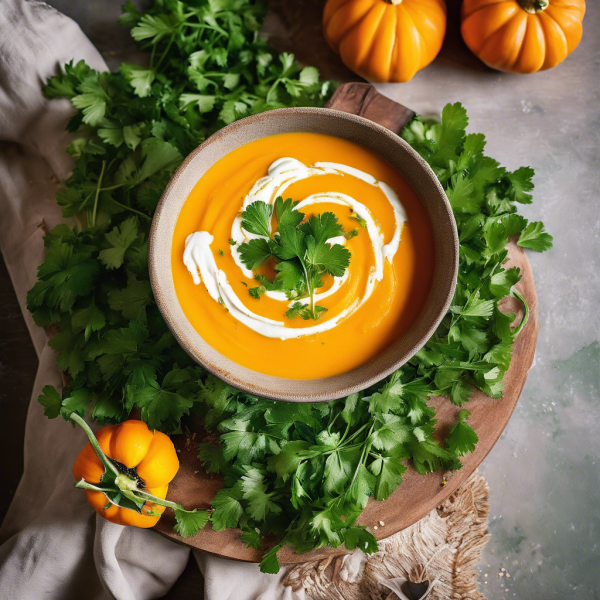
{"points": [[256, 292], [302, 250], [313, 465], [360, 221], [462, 438]]}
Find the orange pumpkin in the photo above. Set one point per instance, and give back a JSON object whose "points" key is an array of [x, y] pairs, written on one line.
{"points": [[522, 36], [147, 455], [385, 40]]}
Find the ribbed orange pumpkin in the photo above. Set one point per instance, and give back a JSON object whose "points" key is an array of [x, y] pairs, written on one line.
{"points": [[385, 40], [522, 36], [150, 453]]}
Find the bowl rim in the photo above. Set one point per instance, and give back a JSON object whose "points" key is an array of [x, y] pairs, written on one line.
{"points": [[164, 292]]}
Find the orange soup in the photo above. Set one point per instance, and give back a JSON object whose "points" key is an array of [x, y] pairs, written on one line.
{"points": [[388, 236]]}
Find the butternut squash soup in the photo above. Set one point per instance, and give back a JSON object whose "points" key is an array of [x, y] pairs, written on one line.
{"points": [[302, 255]]}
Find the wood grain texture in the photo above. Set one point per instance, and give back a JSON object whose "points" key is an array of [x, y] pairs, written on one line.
{"points": [[364, 100], [418, 494]]}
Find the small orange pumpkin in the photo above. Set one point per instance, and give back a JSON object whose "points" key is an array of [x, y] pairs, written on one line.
{"points": [[385, 40], [522, 36], [148, 455]]}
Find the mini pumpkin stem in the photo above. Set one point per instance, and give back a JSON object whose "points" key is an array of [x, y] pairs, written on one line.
{"points": [[393, 2], [94, 442], [125, 484], [533, 6], [133, 494]]}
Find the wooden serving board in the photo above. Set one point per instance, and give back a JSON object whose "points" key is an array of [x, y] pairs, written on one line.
{"points": [[418, 494]]}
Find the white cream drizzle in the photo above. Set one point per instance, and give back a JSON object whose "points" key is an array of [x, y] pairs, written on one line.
{"points": [[200, 261]]}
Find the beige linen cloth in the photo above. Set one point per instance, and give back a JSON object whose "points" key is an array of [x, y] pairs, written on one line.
{"points": [[53, 546]]}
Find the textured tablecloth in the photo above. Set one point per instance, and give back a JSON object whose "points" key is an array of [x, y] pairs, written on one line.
{"points": [[52, 544]]}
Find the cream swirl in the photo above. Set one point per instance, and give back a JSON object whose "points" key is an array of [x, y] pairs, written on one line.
{"points": [[200, 261]]}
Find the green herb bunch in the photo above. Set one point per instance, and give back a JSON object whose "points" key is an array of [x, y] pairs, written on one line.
{"points": [[208, 67], [302, 252], [473, 344], [301, 472]]}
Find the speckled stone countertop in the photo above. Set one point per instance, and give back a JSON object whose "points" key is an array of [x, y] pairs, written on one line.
{"points": [[544, 473]]}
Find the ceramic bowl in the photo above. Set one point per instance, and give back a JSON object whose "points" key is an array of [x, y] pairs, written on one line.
{"points": [[369, 135]]}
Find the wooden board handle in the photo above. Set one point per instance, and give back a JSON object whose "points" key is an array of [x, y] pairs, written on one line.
{"points": [[364, 100]]}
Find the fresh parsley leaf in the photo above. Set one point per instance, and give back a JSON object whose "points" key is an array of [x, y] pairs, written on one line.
{"points": [[51, 401], [388, 471], [535, 237], [163, 405], [269, 563], [254, 490], [154, 27], [257, 219], [502, 282], [323, 227], [131, 301], [228, 509], [285, 214], [332, 259], [64, 276], [88, 320], [92, 99], [140, 78], [257, 292], [119, 239], [521, 185], [290, 243], [190, 522], [359, 537], [298, 310], [254, 253], [251, 538], [462, 438], [211, 457], [361, 487], [289, 275]]}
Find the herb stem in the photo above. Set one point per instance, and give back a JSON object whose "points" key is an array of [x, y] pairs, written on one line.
{"points": [[525, 318], [164, 54], [345, 433], [359, 431], [137, 212], [112, 187], [98, 193]]}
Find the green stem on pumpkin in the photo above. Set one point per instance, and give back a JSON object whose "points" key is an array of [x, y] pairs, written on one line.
{"points": [[136, 495], [141, 495], [84, 485], [122, 483], [95, 445], [534, 6]]}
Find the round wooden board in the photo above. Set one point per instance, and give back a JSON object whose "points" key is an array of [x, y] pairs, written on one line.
{"points": [[418, 494]]}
